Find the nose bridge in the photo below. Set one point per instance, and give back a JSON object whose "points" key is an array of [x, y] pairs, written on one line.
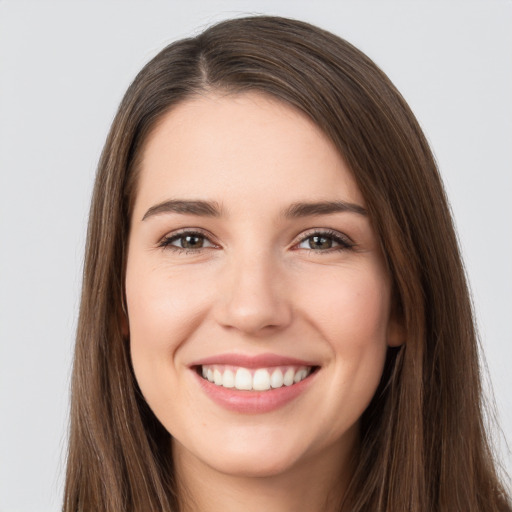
{"points": [[253, 293]]}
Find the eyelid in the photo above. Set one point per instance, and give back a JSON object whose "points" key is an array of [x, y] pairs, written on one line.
{"points": [[165, 241], [344, 241]]}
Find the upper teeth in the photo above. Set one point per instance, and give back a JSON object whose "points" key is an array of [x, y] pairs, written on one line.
{"points": [[260, 379]]}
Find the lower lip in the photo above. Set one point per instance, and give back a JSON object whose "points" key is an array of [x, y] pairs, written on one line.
{"points": [[253, 402]]}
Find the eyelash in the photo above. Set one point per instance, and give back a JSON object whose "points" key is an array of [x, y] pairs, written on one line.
{"points": [[343, 241], [166, 242]]}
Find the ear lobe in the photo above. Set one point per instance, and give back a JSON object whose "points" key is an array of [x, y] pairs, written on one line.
{"points": [[396, 334], [125, 328], [396, 331]]}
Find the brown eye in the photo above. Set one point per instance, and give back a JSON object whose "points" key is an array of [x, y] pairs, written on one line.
{"points": [[188, 241], [325, 242], [320, 242], [191, 241]]}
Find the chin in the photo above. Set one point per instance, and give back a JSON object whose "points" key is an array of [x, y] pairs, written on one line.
{"points": [[250, 465], [257, 453]]}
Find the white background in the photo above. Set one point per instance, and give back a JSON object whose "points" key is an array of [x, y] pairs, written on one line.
{"points": [[64, 67]]}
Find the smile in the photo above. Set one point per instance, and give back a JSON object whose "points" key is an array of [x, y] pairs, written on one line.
{"points": [[254, 379], [250, 384]]}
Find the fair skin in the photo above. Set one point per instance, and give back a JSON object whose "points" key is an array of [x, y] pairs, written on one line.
{"points": [[231, 267]]}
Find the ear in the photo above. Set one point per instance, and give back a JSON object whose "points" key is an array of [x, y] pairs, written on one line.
{"points": [[125, 328], [396, 332]]}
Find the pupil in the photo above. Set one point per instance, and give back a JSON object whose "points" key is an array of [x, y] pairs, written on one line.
{"points": [[320, 242], [192, 242]]}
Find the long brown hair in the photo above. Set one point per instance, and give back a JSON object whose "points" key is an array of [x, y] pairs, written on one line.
{"points": [[424, 446]]}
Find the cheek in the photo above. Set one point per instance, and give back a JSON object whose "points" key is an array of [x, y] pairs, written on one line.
{"points": [[163, 310], [163, 306], [351, 308], [351, 314]]}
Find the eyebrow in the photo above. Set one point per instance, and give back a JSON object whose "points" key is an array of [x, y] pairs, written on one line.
{"points": [[212, 208], [200, 208], [322, 208]]}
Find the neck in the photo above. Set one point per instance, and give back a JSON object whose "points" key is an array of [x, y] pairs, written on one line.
{"points": [[317, 484]]}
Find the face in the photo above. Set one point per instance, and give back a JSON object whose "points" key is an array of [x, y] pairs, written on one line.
{"points": [[258, 301]]}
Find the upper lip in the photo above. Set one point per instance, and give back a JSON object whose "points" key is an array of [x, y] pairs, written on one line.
{"points": [[252, 361]]}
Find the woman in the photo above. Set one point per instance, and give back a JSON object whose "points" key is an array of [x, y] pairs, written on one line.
{"points": [[274, 311]]}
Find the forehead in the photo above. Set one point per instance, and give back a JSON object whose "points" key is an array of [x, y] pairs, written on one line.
{"points": [[238, 149]]}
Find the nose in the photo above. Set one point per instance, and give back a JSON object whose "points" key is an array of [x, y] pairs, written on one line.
{"points": [[253, 296]]}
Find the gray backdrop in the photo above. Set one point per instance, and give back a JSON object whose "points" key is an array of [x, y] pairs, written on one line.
{"points": [[63, 69]]}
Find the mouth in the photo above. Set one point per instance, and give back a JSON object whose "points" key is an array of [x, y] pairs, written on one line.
{"points": [[254, 379], [254, 384]]}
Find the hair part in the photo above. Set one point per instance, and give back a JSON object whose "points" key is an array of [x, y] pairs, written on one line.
{"points": [[424, 445]]}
